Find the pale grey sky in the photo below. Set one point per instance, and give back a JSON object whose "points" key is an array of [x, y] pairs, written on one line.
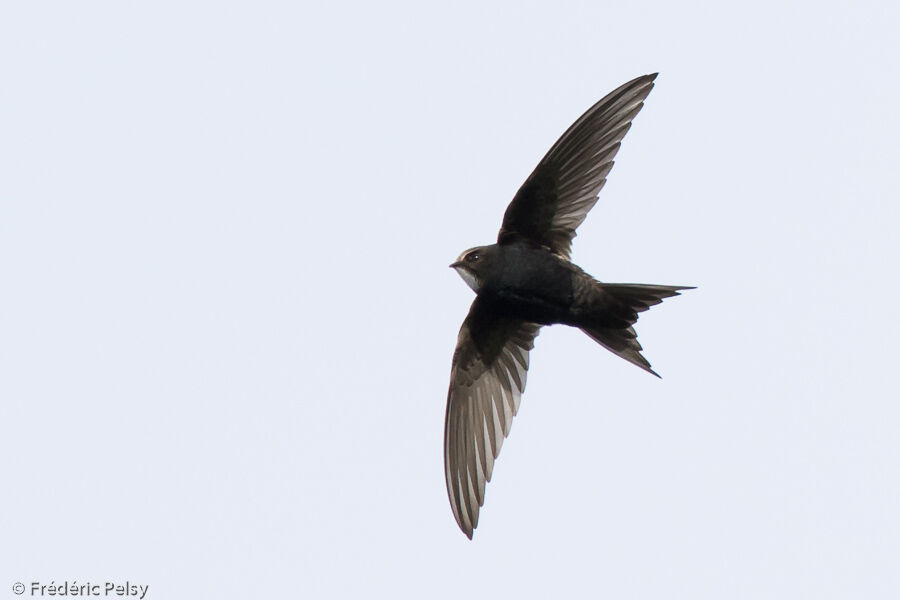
{"points": [[227, 319]]}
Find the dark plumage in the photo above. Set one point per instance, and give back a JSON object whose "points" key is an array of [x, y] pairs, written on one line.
{"points": [[526, 280]]}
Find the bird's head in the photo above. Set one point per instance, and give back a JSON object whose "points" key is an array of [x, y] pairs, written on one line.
{"points": [[473, 264]]}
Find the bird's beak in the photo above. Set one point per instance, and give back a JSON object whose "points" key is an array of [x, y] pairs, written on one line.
{"points": [[456, 264]]}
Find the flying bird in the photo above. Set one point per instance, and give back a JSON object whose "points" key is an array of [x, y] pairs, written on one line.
{"points": [[527, 280]]}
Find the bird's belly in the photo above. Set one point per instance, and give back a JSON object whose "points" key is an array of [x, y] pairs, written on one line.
{"points": [[533, 307]]}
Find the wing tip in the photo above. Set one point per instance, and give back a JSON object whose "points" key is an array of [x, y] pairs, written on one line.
{"points": [[643, 80]]}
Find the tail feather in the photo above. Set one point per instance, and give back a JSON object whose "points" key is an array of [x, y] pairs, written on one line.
{"points": [[617, 334], [641, 296]]}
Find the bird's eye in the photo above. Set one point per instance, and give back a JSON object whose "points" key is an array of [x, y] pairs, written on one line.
{"points": [[472, 257]]}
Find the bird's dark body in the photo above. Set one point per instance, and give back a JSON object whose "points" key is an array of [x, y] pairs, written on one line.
{"points": [[535, 285], [526, 281], [529, 283]]}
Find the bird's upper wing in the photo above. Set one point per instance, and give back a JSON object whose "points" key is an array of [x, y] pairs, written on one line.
{"points": [[486, 383], [557, 196]]}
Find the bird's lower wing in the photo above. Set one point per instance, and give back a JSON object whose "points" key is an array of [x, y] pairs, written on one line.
{"points": [[487, 379]]}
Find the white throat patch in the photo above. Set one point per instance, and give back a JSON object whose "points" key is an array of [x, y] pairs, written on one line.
{"points": [[468, 277]]}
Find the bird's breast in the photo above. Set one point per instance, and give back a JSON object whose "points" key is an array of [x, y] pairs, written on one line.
{"points": [[530, 287]]}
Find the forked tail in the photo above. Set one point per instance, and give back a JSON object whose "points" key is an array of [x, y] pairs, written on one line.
{"points": [[612, 326]]}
